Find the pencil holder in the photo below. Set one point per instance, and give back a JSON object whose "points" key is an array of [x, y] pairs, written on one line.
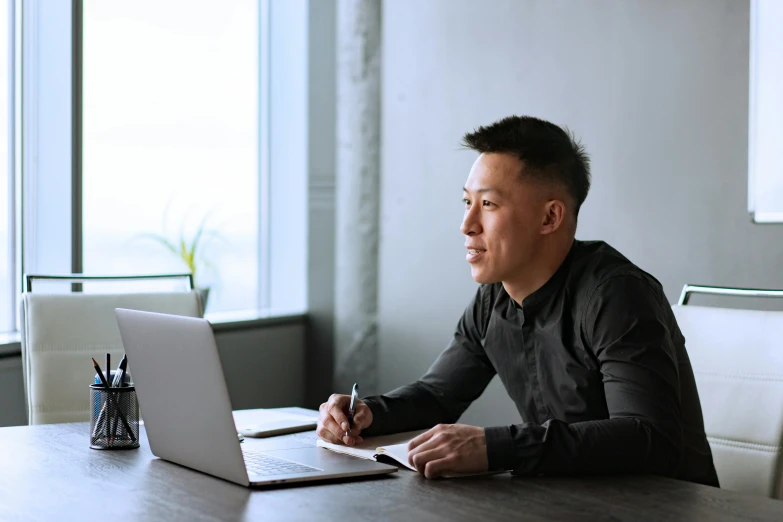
{"points": [[114, 418]]}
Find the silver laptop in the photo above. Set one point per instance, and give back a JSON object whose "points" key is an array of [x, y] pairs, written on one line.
{"points": [[187, 412]]}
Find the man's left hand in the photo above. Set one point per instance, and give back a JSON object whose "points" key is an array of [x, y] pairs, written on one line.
{"points": [[449, 449]]}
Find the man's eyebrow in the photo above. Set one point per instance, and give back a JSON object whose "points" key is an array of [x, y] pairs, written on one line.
{"points": [[483, 190]]}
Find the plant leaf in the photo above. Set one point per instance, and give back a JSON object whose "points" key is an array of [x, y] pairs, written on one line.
{"points": [[161, 240], [199, 233], [184, 255]]}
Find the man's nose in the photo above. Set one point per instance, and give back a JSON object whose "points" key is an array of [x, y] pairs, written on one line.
{"points": [[470, 223]]}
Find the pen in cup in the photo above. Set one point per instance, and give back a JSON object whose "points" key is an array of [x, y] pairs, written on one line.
{"points": [[107, 425], [118, 378], [117, 381], [113, 400]]}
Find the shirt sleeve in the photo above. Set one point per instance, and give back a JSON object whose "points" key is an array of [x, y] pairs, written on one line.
{"points": [[626, 327], [456, 378]]}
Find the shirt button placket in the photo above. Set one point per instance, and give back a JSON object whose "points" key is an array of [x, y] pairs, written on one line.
{"points": [[532, 369]]}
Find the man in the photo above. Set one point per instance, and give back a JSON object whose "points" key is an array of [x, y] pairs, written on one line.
{"points": [[583, 340]]}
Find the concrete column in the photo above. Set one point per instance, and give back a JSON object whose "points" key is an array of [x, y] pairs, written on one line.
{"points": [[357, 188], [321, 243]]}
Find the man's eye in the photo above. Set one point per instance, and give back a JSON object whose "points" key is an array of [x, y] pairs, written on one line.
{"points": [[488, 203], [466, 201]]}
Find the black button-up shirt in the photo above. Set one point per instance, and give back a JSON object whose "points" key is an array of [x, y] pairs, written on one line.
{"points": [[595, 363]]}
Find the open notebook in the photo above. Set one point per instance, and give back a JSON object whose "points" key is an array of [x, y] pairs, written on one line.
{"points": [[385, 447], [393, 446]]}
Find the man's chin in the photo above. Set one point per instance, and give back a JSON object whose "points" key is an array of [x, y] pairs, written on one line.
{"points": [[482, 277]]}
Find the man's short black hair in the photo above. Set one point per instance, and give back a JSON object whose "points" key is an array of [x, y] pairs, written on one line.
{"points": [[549, 153]]}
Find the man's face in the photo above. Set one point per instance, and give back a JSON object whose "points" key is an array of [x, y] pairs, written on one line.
{"points": [[503, 218]]}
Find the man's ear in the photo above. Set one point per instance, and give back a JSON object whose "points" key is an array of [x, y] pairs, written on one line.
{"points": [[554, 216]]}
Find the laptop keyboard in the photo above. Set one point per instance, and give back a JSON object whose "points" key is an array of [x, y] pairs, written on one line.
{"points": [[264, 465]]}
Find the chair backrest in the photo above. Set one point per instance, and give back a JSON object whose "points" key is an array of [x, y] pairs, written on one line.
{"points": [[737, 359], [61, 332]]}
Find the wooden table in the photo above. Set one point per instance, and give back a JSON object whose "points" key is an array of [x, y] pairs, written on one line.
{"points": [[50, 473]]}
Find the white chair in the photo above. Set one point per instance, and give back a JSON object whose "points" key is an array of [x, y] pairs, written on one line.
{"points": [[61, 332], [737, 359]]}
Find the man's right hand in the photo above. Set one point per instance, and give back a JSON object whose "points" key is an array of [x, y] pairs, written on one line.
{"points": [[333, 420]]}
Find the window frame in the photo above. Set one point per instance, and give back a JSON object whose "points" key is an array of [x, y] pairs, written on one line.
{"points": [[760, 112], [11, 201]]}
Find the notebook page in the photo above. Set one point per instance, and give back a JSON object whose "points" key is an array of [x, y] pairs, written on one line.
{"points": [[398, 452], [372, 446], [355, 451]]}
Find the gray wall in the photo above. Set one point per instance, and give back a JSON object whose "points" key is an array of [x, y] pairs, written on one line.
{"points": [[12, 406], [656, 89], [264, 368]]}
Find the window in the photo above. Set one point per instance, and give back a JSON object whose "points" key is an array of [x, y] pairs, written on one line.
{"points": [[7, 293], [171, 143], [765, 164], [180, 141]]}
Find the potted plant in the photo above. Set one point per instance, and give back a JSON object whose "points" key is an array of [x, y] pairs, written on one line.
{"points": [[191, 251]]}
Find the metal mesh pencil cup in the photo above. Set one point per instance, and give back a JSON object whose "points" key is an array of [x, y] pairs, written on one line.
{"points": [[114, 417]]}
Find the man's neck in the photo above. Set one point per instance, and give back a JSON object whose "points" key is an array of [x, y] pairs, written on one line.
{"points": [[549, 259]]}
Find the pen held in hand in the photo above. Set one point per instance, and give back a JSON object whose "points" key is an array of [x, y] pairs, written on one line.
{"points": [[352, 407]]}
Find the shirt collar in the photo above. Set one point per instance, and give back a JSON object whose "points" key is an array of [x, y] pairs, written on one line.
{"points": [[553, 286]]}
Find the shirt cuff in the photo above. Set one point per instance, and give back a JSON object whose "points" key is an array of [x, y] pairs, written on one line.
{"points": [[376, 428], [500, 448]]}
